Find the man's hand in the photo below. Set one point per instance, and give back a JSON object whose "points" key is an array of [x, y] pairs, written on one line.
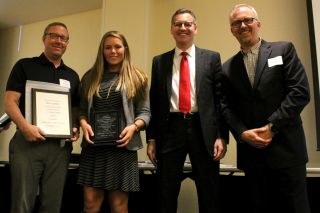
{"points": [[267, 134], [33, 133], [258, 138], [219, 149], [75, 134], [151, 151]]}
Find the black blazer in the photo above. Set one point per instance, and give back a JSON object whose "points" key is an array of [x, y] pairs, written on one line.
{"points": [[208, 95], [279, 94]]}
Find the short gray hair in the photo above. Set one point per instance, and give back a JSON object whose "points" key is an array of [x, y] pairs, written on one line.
{"points": [[243, 5]]}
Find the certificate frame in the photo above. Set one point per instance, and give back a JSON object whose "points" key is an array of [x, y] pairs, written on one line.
{"points": [[51, 112], [4, 120]]}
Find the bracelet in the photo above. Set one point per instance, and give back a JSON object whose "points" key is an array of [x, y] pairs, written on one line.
{"points": [[137, 127]]}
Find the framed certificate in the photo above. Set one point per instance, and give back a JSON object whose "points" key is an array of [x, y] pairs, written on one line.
{"points": [[51, 112], [106, 128]]}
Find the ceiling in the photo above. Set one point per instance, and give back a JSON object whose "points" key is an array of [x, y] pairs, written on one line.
{"points": [[19, 12]]}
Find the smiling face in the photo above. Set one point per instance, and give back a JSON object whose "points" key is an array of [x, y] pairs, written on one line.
{"points": [[247, 31], [55, 42], [183, 30], [114, 52]]}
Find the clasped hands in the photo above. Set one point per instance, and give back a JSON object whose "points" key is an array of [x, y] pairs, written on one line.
{"points": [[258, 137]]}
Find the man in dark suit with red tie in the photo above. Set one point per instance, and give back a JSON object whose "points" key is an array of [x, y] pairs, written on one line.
{"points": [[185, 101], [264, 89]]}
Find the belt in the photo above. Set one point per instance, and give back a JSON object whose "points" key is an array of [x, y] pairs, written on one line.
{"points": [[187, 116]]}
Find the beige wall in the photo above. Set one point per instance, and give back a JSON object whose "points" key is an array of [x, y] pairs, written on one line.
{"points": [[146, 24]]}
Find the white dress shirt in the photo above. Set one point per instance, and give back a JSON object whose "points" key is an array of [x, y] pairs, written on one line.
{"points": [[174, 101]]}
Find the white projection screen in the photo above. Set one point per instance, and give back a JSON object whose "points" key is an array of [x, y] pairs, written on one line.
{"points": [[313, 7]]}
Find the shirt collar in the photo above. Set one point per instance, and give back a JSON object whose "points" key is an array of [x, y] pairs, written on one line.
{"points": [[44, 60], [254, 49], [191, 51]]}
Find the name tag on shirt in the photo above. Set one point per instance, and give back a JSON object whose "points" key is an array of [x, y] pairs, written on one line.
{"points": [[64, 83], [275, 61]]}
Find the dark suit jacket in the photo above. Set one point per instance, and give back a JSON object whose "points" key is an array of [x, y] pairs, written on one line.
{"points": [[208, 82], [279, 94]]}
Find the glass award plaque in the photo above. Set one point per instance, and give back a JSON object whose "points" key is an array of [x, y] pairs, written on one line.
{"points": [[106, 127]]}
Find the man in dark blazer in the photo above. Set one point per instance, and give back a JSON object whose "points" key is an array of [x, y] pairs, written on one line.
{"points": [[172, 133], [264, 89]]}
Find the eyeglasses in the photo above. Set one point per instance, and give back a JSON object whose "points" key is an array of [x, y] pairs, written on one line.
{"points": [[246, 21], [186, 24], [55, 36]]}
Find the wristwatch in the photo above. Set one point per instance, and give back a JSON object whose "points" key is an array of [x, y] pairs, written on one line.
{"points": [[273, 128]]}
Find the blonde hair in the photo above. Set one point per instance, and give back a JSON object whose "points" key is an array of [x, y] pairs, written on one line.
{"points": [[131, 80]]}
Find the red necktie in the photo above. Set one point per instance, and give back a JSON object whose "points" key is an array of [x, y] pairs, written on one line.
{"points": [[184, 85]]}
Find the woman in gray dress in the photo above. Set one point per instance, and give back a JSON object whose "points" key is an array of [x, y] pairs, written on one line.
{"points": [[114, 96]]}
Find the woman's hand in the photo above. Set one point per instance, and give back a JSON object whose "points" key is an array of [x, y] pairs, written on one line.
{"points": [[126, 135], [87, 130]]}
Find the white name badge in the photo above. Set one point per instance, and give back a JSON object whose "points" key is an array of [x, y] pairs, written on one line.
{"points": [[64, 83], [275, 61]]}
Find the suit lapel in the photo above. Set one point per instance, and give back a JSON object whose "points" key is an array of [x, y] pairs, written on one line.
{"points": [[168, 72], [199, 68], [264, 53], [241, 72]]}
